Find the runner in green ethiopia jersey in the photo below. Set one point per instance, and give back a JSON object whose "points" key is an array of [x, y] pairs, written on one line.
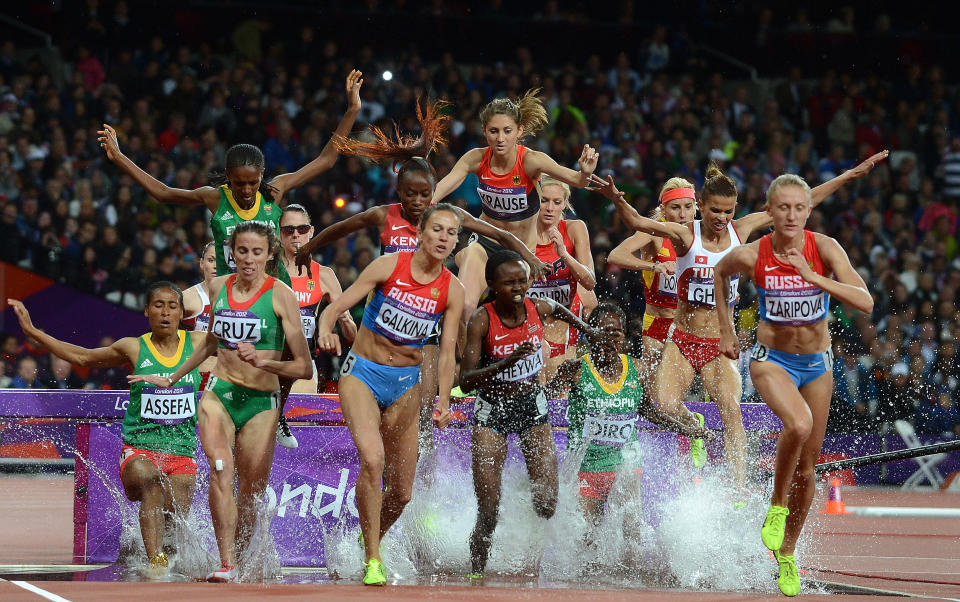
{"points": [[253, 315], [157, 466], [605, 402]]}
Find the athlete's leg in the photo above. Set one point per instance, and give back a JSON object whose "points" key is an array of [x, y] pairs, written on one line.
{"points": [[428, 394], [472, 262], [178, 492], [817, 395], [218, 434], [362, 416], [256, 443], [398, 430], [722, 382], [142, 482], [671, 382], [652, 354], [283, 435], [592, 509], [489, 450], [539, 452]]}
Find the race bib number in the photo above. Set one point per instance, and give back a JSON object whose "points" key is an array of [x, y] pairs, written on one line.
{"points": [[503, 203], [667, 284], [609, 430], [760, 353], [202, 324], [701, 291], [348, 364], [795, 307], [168, 406], [308, 322], [525, 369], [403, 324], [233, 326], [555, 290]]}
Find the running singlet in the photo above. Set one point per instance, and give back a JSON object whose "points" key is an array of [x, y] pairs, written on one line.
{"points": [[559, 284], [229, 215], [660, 289], [404, 310], [398, 234], [604, 415], [695, 270], [787, 299], [508, 197], [163, 420], [252, 321], [501, 341], [309, 295], [201, 321]]}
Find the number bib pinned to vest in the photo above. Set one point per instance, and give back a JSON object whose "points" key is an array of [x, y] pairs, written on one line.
{"points": [[168, 406]]}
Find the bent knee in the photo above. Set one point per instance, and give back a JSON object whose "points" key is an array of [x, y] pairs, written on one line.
{"points": [[373, 462], [799, 428]]}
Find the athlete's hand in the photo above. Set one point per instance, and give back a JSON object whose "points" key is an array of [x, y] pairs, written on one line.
{"points": [[729, 345], [606, 187], [354, 81], [150, 379], [568, 369], [523, 350], [557, 239], [329, 342], [303, 259], [26, 324], [588, 160], [441, 415], [348, 328], [666, 268], [108, 142], [539, 270], [795, 259], [867, 166], [248, 353]]}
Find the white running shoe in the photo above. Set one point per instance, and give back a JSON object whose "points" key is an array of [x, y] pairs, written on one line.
{"points": [[225, 574], [284, 436]]}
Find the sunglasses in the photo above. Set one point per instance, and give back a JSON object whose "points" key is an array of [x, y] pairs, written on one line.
{"points": [[301, 229]]}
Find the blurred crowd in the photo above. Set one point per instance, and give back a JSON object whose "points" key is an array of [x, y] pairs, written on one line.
{"points": [[654, 112]]}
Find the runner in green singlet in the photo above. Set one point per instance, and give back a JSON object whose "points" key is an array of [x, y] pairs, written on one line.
{"points": [[242, 196], [253, 315], [606, 401], [157, 466]]}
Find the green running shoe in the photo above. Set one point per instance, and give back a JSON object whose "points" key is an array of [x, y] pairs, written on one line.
{"points": [[457, 393], [377, 574], [475, 576], [772, 531], [698, 451], [739, 505], [788, 580]]}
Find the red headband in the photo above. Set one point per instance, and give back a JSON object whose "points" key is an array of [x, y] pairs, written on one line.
{"points": [[678, 193]]}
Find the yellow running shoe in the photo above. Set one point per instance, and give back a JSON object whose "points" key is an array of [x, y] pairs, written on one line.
{"points": [[376, 573], [788, 580], [772, 531], [457, 393], [698, 451]]}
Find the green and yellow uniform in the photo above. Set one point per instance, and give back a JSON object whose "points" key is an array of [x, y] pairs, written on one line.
{"points": [[229, 215], [163, 420], [253, 321], [603, 416]]}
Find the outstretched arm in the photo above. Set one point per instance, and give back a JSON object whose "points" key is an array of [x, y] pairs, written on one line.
{"points": [[330, 284], [372, 217], [748, 224], [120, 352], [537, 163], [679, 235], [328, 156], [205, 195], [468, 163], [506, 239], [374, 274], [625, 255], [550, 308]]}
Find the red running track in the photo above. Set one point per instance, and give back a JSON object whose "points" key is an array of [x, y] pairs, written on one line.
{"points": [[903, 555]]}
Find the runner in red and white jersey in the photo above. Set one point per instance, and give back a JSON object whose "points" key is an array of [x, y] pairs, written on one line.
{"points": [[196, 305], [695, 346], [657, 259]]}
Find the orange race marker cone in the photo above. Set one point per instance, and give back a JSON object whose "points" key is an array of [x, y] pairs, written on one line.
{"points": [[835, 503]]}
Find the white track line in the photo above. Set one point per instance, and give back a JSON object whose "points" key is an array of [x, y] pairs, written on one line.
{"points": [[40, 592], [903, 512]]}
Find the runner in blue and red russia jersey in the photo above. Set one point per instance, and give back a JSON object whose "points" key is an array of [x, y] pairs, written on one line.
{"points": [[796, 272], [380, 378]]}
